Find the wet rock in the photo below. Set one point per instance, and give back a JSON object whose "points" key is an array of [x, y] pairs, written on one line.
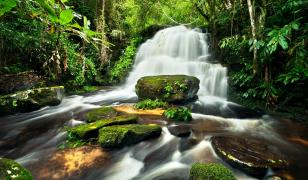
{"points": [[9, 169], [70, 163], [160, 155], [124, 135], [90, 130], [187, 143], [211, 171], [30, 100], [179, 130], [170, 88], [252, 156], [101, 113], [10, 83]]}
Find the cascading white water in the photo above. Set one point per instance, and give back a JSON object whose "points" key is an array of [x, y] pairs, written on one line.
{"points": [[174, 50], [179, 50]]}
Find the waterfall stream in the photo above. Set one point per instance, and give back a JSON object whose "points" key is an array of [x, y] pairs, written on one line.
{"points": [[30, 137], [175, 50]]}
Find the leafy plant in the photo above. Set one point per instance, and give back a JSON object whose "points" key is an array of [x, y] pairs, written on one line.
{"points": [[168, 90], [72, 141], [121, 68], [151, 104], [178, 114]]}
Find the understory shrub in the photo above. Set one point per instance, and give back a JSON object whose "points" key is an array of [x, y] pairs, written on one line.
{"points": [[151, 104], [178, 114], [125, 63]]}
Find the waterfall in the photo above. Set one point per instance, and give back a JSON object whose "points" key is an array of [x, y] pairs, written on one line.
{"points": [[175, 50], [179, 50]]}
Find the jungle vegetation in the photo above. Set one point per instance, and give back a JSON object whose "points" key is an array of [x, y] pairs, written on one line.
{"points": [[93, 42]]}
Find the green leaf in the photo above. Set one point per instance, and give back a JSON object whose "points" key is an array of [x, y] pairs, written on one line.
{"points": [[283, 43], [295, 25], [6, 6], [66, 16], [48, 8]]}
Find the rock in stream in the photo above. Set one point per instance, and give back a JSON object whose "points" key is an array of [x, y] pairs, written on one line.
{"points": [[253, 156]]}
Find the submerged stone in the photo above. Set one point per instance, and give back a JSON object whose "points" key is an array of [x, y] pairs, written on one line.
{"points": [[91, 130], [101, 113], [170, 88], [9, 169], [180, 130], [252, 156], [124, 135], [212, 171], [30, 100]]}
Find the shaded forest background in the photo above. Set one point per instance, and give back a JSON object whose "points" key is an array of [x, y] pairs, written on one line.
{"points": [[85, 43]]}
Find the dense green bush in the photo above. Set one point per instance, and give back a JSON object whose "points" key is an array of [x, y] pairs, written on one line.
{"points": [[119, 71], [151, 104], [49, 39], [178, 114]]}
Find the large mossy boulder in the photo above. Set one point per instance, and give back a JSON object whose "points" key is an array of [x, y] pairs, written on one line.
{"points": [[90, 130], [212, 171], [124, 135], [101, 113], [170, 88], [9, 169], [30, 100], [252, 156]]}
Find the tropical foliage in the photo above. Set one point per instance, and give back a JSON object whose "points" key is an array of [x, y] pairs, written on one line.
{"points": [[264, 43]]}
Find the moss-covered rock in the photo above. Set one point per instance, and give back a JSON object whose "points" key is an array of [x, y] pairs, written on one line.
{"points": [[124, 135], [9, 169], [30, 100], [91, 130], [212, 171], [170, 88], [252, 156], [101, 113]]}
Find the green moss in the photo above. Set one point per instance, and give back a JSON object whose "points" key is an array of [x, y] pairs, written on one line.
{"points": [[101, 113], [212, 171], [170, 88], [151, 104], [124, 135], [91, 130], [9, 169]]}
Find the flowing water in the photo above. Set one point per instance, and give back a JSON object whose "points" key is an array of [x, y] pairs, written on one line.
{"points": [[31, 137]]}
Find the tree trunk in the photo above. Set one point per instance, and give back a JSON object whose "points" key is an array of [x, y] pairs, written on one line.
{"points": [[253, 31], [214, 43], [104, 55]]}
